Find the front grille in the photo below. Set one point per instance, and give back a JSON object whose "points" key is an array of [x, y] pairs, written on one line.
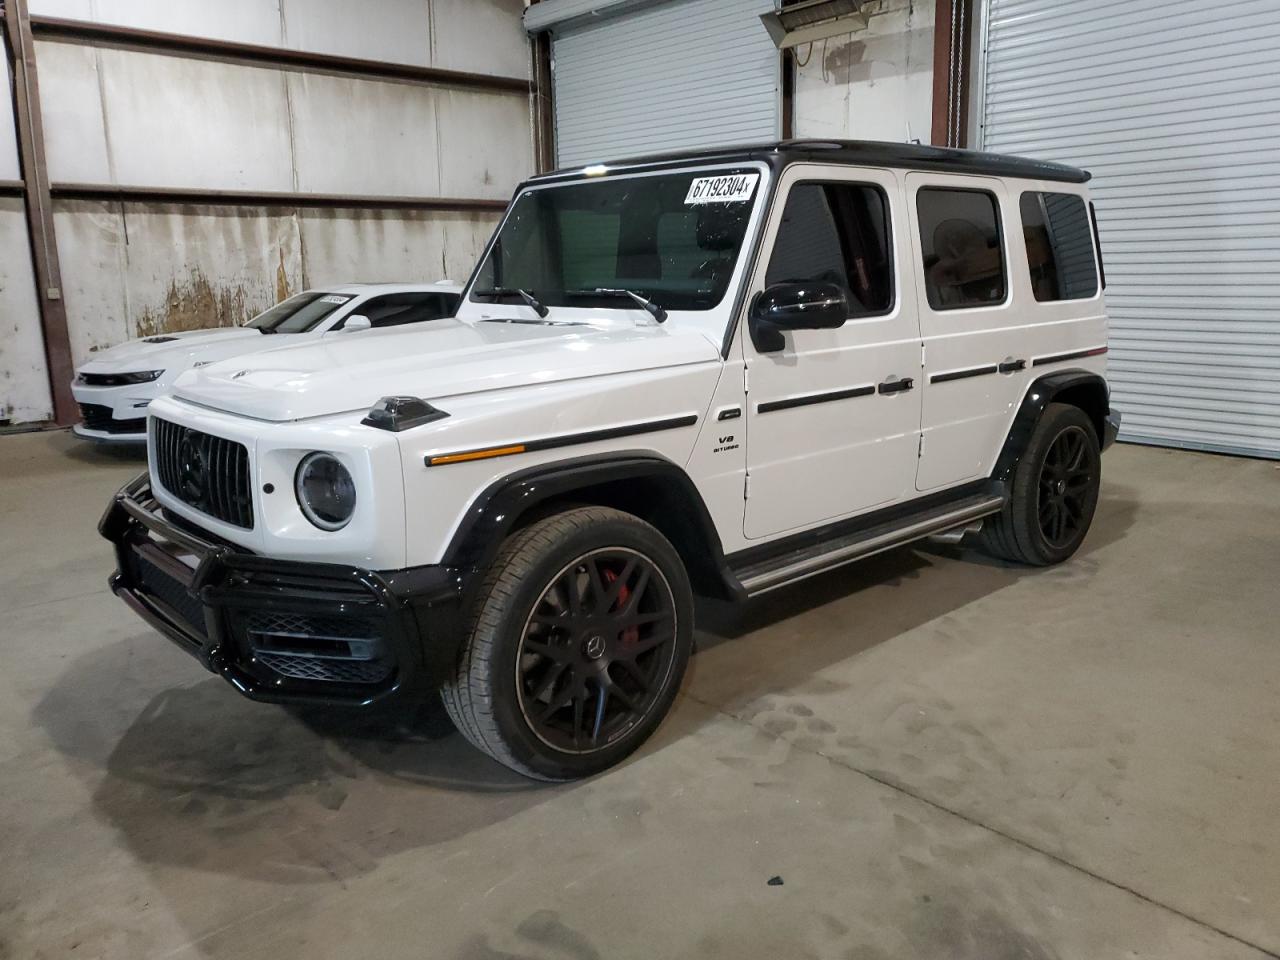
{"points": [[96, 416], [154, 581], [332, 649], [205, 472]]}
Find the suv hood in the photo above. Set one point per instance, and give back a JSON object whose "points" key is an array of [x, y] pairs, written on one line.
{"points": [[442, 359], [174, 348]]}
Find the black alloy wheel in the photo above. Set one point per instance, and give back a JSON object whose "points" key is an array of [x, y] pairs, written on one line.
{"points": [[1053, 492], [575, 644], [596, 650], [1068, 476]]}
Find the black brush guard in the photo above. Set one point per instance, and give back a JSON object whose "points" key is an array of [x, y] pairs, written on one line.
{"points": [[280, 630]]}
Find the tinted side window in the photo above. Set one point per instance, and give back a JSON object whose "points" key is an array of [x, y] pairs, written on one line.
{"points": [[1059, 237], [960, 239], [394, 309], [837, 233]]}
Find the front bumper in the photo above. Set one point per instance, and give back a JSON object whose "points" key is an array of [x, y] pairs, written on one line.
{"points": [[1110, 428], [113, 414], [108, 436], [278, 630]]}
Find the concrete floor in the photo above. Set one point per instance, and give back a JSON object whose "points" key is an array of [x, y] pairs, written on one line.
{"points": [[940, 756]]}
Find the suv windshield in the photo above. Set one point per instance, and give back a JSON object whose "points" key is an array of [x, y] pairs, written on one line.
{"points": [[673, 238], [299, 313]]}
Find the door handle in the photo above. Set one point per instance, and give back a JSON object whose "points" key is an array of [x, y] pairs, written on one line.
{"points": [[896, 386], [1010, 365]]}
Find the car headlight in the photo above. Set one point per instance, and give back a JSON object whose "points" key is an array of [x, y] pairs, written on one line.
{"points": [[325, 491], [141, 376], [118, 379]]}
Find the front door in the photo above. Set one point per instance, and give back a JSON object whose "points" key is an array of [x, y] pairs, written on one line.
{"points": [[834, 416]]}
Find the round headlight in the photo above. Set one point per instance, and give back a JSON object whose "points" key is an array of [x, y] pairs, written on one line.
{"points": [[326, 493]]}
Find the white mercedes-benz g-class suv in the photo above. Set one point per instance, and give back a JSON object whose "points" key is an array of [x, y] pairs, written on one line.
{"points": [[713, 373]]}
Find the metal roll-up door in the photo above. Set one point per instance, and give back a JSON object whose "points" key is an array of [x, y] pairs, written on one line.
{"points": [[678, 75], [1175, 107]]}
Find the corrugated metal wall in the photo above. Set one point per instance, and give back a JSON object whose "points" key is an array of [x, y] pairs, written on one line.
{"points": [[1173, 106], [117, 116], [678, 75]]}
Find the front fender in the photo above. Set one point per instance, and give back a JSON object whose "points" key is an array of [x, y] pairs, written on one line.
{"points": [[646, 484]]}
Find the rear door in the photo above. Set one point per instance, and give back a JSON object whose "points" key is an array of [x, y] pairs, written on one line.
{"points": [[833, 418], [976, 345]]}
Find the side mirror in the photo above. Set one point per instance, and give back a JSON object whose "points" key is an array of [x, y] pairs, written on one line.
{"points": [[795, 306], [357, 321]]}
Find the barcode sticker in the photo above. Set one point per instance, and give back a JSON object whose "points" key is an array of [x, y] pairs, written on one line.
{"points": [[732, 188]]}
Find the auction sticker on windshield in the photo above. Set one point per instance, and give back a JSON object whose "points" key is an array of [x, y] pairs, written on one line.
{"points": [[731, 188], [334, 298]]}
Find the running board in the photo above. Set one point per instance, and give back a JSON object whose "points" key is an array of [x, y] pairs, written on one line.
{"points": [[799, 564]]}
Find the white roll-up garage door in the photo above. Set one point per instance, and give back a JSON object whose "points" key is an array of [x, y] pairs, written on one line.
{"points": [[671, 76], [1175, 107]]}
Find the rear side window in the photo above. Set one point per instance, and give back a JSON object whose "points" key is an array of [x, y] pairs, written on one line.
{"points": [[1060, 246], [837, 233], [960, 239]]}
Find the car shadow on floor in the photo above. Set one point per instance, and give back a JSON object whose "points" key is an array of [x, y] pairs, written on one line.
{"points": [[196, 777], [97, 454], [784, 638]]}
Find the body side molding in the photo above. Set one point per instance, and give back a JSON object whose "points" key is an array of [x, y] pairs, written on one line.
{"points": [[808, 399], [562, 440], [1073, 355]]}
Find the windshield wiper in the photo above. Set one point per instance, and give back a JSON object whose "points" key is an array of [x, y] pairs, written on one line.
{"points": [[659, 315], [524, 295]]}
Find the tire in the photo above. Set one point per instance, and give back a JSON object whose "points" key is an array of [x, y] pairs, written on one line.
{"points": [[1054, 492], [593, 605]]}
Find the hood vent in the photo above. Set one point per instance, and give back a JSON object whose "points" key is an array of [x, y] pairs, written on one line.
{"points": [[158, 339]]}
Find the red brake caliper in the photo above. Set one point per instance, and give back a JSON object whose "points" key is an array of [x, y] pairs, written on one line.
{"points": [[631, 635]]}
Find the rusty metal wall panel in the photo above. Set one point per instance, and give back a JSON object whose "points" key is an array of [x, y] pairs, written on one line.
{"points": [[390, 246], [9, 169], [24, 377], [156, 267], [135, 269]]}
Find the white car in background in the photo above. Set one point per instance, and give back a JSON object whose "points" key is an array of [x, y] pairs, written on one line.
{"points": [[115, 388]]}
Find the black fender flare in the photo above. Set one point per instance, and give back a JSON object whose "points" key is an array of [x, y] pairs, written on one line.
{"points": [[1082, 385], [498, 509]]}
